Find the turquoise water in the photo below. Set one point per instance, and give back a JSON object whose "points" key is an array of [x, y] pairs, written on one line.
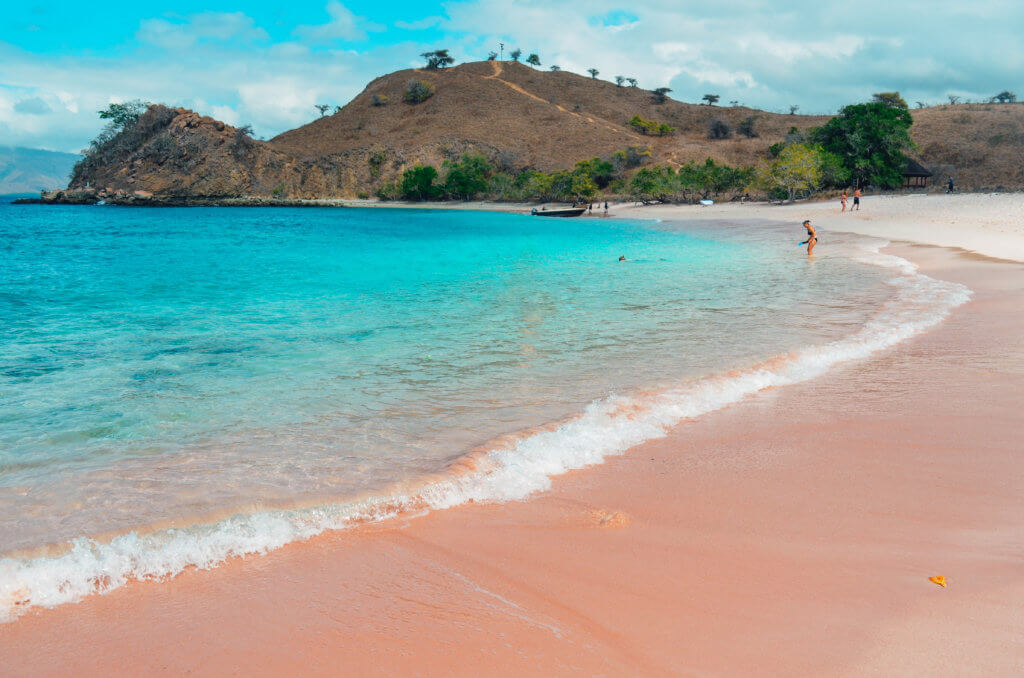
{"points": [[162, 364]]}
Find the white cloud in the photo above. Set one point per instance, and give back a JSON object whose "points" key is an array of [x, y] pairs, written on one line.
{"points": [[344, 25], [207, 26]]}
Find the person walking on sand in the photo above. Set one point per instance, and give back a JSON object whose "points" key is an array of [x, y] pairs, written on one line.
{"points": [[856, 200], [606, 208], [949, 185], [843, 200], [812, 237]]}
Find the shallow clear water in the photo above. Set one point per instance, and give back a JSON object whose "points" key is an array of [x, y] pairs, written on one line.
{"points": [[158, 364]]}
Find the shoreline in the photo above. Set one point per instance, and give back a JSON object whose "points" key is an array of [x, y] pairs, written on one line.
{"points": [[366, 539], [741, 542], [525, 461]]}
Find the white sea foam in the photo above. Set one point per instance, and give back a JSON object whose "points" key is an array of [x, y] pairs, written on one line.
{"points": [[607, 427]]}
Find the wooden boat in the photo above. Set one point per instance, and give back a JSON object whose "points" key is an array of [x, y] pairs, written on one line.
{"points": [[559, 212]]}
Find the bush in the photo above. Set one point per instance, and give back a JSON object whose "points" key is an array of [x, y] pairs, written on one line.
{"points": [[746, 127], [650, 126], [380, 100], [418, 91], [467, 178], [418, 183], [719, 129]]}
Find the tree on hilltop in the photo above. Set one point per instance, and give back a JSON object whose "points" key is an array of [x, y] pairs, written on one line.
{"points": [[124, 114], [658, 95], [323, 108], [491, 56], [437, 59], [619, 79], [1005, 97], [633, 82], [515, 54], [712, 99], [555, 69], [533, 60], [593, 73], [892, 99], [793, 109]]}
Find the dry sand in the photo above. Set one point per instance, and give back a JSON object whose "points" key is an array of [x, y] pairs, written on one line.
{"points": [[790, 534], [986, 223]]}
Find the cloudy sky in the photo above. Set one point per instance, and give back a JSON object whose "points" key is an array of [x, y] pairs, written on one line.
{"points": [[268, 63]]}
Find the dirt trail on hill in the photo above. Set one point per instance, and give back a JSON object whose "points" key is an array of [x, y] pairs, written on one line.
{"points": [[498, 69]]}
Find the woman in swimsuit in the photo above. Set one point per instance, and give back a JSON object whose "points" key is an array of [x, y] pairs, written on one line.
{"points": [[812, 237], [843, 199]]}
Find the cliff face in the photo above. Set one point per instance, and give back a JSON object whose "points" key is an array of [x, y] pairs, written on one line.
{"points": [[517, 116]]}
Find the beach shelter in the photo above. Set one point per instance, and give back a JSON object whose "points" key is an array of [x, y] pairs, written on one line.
{"points": [[915, 175]]}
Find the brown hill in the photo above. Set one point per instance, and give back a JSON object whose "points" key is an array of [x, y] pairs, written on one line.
{"points": [[517, 116]]}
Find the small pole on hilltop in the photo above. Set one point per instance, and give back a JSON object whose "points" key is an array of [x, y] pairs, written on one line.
{"points": [[502, 51]]}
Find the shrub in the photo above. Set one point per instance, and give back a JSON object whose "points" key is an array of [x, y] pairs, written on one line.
{"points": [[746, 127], [363, 195], [650, 126], [467, 178], [418, 183], [418, 91], [719, 129], [380, 100]]}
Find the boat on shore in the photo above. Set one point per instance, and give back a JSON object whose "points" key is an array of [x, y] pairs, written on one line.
{"points": [[558, 212]]}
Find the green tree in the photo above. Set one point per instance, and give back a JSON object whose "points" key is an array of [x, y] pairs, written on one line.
{"points": [[659, 95], [533, 60], [418, 183], [797, 168], [437, 59], [633, 82], [871, 139], [1005, 97], [124, 114], [619, 79], [555, 69], [712, 99], [466, 179], [593, 73], [892, 99], [515, 54], [323, 108]]}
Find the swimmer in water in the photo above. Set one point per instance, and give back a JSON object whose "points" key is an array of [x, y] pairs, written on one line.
{"points": [[812, 237], [622, 258]]}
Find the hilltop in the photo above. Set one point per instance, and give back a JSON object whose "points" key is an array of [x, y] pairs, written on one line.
{"points": [[517, 117]]}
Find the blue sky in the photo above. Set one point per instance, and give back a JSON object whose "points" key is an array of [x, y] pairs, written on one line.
{"points": [[267, 63]]}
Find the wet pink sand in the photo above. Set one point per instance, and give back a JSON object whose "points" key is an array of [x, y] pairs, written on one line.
{"points": [[791, 534]]}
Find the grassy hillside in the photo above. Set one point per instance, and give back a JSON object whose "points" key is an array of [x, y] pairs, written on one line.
{"points": [[516, 116]]}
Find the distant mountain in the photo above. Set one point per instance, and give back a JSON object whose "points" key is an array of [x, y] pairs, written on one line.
{"points": [[29, 170]]}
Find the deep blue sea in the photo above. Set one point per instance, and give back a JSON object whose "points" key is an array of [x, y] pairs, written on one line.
{"points": [[184, 384]]}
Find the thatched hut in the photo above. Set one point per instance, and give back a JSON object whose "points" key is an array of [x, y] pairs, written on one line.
{"points": [[916, 175]]}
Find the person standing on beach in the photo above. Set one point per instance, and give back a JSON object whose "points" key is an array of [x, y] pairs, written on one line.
{"points": [[606, 207], [949, 186], [843, 200], [812, 237], [856, 200]]}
